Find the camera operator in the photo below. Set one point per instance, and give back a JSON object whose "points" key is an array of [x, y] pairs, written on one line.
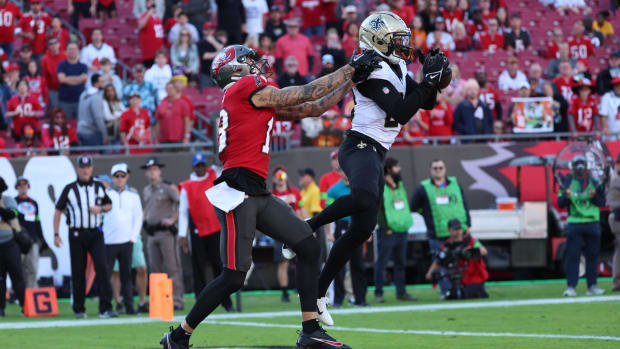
{"points": [[583, 196], [461, 256]]}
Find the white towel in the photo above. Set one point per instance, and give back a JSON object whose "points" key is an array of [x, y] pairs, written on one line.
{"points": [[224, 197]]}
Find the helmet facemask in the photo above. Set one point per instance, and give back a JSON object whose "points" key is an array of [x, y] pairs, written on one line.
{"points": [[401, 46]]}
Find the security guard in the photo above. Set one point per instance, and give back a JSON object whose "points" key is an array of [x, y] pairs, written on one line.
{"points": [[161, 203], [83, 202]]}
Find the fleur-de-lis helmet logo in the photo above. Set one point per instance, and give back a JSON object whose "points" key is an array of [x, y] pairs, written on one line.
{"points": [[377, 23]]}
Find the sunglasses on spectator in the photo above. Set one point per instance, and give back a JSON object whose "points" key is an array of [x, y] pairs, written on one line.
{"points": [[120, 175], [21, 183], [438, 168]]}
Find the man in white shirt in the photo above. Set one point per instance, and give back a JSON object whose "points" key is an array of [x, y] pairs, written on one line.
{"points": [[121, 228], [159, 74], [512, 78], [254, 12], [183, 23], [440, 37], [93, 53], [610, 108]]}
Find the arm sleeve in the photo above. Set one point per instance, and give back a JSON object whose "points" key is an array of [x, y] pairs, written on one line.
{"points": [[137, 219], [392, 102], [61, 204], [183, 214]]}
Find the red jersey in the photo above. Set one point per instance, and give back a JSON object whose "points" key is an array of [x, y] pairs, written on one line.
{"points": [[49, 68], [37, 25], [200, 209], [57, 139], [491, 43], [489, 95], [245, 131], [580, 47], [565, 87], [38, 88], [137, 128], [553, 50], [9, 14], [311, 11], [63, 37], [327, 181], [28, 111], [329, 10], [583, 113], [151, 36], [291, 196], [451, 17], [406, 14], [439, 120]]}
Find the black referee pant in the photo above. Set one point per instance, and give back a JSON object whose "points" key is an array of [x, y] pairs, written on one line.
{"points": [[11, 264], [356, 263], [81, 242], [206, 249], [124, 253]]}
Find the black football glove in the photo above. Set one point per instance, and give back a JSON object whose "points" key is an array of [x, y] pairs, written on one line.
{"points": [[7, 214], [364, 64], [434, 65]]}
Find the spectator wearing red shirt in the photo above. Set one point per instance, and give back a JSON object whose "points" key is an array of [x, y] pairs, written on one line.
{"points": [[329, 12], [553, 45], [135, 125], [564, 82], [476, 23], [37, 84], [24, 109], [489, 95], [330, 178], [58, 134], [59, 32], [486, 8], [311, 12], [151, 34], [294, 44], [349, 15], [34, 26], [451, 14], [9, 15], [84, 8], [462, 41], [583, 107], [350, 41], [439, 118], [416, 127], [106, 7], [405, 12], [173, 118], [491, 39], [579, 45], [49, 69]]}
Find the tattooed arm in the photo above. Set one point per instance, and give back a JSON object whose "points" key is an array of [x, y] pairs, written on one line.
{"points": [[294, 95], [314, 108]]}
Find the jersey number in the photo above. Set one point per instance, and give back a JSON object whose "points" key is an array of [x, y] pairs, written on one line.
{"points": [[6, 19], [267, 144], [223, 133]]}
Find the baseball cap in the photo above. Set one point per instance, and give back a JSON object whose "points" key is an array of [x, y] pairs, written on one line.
{"points": [[25, 47], [334, 154], [307, 171], [35, 1], [327, 58], [199, 158], [21, 179], [350, 8], [84, 160], [275, 8], [152, 161], [134, 94], [120, 167], [208, 25], [615, 81], [616, 54], [454, 223], [12, 67], [139, 67]]}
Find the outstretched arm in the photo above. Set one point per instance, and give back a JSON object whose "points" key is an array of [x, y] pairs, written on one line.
{"points": [[315, 108], [294, 95]]}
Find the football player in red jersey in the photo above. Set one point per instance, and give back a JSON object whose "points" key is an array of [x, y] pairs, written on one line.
{"points": [[249, 107], [583, 107]]}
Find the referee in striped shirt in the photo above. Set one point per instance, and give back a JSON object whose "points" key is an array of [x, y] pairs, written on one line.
{"points": [[83, 203]]}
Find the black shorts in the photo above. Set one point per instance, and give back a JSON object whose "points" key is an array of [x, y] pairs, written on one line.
{"points": [[270, 215], [106, 9], [361, 158]]}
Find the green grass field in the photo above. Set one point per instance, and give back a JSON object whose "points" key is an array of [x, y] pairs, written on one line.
{"points": [[592, 322]]}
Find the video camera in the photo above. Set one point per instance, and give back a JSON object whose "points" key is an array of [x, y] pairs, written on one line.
{"points": [[449, 258]]}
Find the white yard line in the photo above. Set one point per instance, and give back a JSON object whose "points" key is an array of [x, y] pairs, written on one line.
{"points": [[423, 332], [370, 310]]}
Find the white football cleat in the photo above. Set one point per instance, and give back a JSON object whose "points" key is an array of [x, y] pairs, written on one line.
{"points": [[324, 317], [288, 253], [594, 290], [570, 292]]}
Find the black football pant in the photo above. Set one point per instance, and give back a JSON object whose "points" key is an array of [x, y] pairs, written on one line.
{"points": [[124, 253], [81, 242], [11, 264], [206, 249], [356, 263]]}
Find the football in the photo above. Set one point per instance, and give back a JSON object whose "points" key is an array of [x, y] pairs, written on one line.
{"points": [[446, 77]]}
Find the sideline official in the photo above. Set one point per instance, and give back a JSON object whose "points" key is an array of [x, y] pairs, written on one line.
{"points": [[121, 228], [83, 202]]}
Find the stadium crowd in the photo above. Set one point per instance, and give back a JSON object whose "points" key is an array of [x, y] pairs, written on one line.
{"points": [[55, 94]]}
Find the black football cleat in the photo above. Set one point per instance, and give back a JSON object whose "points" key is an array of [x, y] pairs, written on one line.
{"points": [[319, 339], [169, 343]]}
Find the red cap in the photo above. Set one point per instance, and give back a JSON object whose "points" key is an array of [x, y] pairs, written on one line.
{"points": [[615, 81], [334, 154], [208, 25], [584, 61], [12, 67], [35, 1]]}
